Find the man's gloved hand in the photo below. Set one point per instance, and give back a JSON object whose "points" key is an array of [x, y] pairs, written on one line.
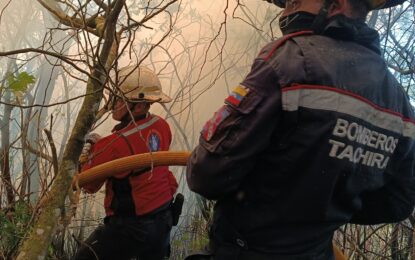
{"points": [[90, 139]]}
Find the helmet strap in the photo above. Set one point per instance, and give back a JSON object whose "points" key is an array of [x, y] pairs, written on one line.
{"points": [[320, 20]]}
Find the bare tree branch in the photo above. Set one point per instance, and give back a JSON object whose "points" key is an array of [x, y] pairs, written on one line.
{"points": [[62, 17], [54, 54]]}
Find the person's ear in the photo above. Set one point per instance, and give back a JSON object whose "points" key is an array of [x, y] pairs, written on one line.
{"points": [[338, 7]]}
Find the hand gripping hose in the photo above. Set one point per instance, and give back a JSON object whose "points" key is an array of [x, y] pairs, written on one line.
{"points": [[140, 161]]}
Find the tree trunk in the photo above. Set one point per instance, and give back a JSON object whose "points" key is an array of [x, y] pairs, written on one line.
{"points": [[4, 153], [36, 244], [394, 243]]}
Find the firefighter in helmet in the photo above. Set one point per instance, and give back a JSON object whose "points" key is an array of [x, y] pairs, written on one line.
{"points": [[317, 135], [137, 203]]}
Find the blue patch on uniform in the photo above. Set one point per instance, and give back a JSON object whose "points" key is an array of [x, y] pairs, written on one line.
{"points": [[153, 142]]}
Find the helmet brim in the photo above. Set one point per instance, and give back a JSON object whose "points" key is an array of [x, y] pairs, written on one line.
{"points": [[160, 98], [391, 3], [387, 4], [279, 3]]}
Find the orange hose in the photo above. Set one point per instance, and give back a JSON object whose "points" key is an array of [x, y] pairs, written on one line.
{"points": [[338, 254], [144, 160], [129, 163]]}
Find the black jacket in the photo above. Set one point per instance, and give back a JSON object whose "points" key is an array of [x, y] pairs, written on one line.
{"points": [[319, 134]]}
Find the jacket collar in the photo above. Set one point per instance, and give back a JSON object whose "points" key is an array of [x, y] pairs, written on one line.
{"points": [[343, 28], [337, 27]]}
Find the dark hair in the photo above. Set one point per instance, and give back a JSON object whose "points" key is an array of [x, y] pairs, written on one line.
{"points": [[360, 9]]}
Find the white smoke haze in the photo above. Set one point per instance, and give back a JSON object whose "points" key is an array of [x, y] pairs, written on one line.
{"points": [[208, 48], [200, 50]]}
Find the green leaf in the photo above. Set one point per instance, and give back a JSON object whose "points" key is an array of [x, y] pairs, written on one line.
{"points": [[11, 79], [21, 82]]}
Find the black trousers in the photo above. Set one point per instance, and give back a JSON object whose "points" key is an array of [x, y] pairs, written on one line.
{"points": [[145, 237]]}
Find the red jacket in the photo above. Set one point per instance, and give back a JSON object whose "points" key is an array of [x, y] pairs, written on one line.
{"points": [[149, 190]]}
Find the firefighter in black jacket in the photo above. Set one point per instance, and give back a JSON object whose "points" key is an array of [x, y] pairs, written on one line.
{"points": [[317, 135]]}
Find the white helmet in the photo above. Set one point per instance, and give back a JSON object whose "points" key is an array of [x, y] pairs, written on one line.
{"points": [[141, 84]]}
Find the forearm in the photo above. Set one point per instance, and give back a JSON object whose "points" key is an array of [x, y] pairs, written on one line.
{"points": [[212, 175]]}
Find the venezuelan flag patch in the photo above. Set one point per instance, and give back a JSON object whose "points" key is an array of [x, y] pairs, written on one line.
{"points": [[237, 95]]}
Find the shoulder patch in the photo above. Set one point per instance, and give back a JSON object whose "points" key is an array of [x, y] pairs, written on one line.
{"points": [[237, 95], [154, 141], [212, 124]]}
